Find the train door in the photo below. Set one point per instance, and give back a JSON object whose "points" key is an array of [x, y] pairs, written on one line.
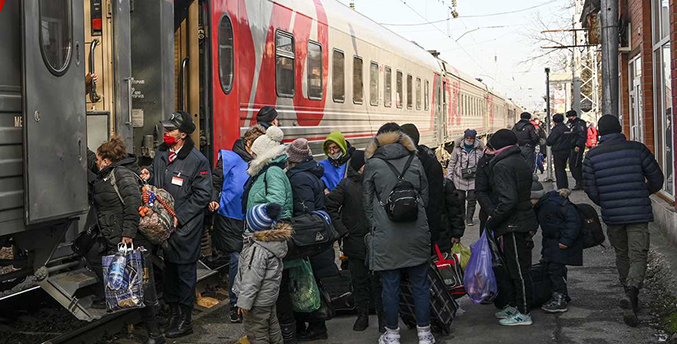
{"points": [[54, 129]]}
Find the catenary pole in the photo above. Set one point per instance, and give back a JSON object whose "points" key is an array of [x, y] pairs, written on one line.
{"points": [[609, 13], [548, 116]]}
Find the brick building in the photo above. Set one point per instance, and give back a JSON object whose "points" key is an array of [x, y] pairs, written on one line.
{"points": [[647, 84]]}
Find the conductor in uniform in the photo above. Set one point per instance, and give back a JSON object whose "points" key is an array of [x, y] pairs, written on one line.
{"points": [[183, 171]]}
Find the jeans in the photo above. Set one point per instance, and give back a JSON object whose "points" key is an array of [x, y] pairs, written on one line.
{"points": [[234, 258], [631, 243], [418, 279]]}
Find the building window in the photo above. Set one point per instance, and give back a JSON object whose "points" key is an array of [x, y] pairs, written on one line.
{"points": [[410, 91], [418, 93], [284, 63], [358, 85], [426, 96], [226, 54], [314, 70], [56, 34], [338, 81], [373, 84], [663, 130], [398, 91], [387, 87]]}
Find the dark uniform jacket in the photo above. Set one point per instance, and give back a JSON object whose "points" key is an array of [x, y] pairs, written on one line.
{"points": [[619, 176], [560, 139], [510, 184], [560, 223], [346, 208], [308, 190], [579, 132], [189, 180], [526, 133]]}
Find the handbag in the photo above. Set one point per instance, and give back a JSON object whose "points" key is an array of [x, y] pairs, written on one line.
{"points": [[468, 172], [451, 272], [86, 239], [313, 233], [326, 311]]}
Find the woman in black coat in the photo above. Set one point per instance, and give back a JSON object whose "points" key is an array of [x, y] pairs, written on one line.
{"points": [[117, 197]]}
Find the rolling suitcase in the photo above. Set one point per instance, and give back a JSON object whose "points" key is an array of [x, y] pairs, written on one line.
{"points": [[443, 307]]}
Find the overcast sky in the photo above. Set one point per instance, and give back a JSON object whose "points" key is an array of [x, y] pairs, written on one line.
{"points": [[496, 55]]}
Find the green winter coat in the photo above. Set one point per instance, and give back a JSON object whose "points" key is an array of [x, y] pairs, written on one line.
{"points": [[272, 184]]}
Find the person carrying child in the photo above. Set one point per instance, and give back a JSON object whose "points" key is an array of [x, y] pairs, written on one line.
{"points": [[562, 243], [259, 275]]}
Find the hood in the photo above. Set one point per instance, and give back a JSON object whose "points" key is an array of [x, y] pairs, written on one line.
{"points": [[275, 239], [555, 196], [354, 175], [504, 154], [522, 123], [385, 147], [239, 149], [614, 137], [459, 143], [337, 138], [310, 166], [276, 155], [129, 162], [347, 153]]}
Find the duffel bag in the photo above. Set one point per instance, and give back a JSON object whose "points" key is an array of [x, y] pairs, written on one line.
{"points": [[541, 286], [313, 233]]}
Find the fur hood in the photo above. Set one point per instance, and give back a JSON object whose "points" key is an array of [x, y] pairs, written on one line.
{"points": [[275, 239], [386, 139], [256, 165], [478, 143]]}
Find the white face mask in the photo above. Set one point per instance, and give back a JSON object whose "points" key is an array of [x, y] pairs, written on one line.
{"points": [[469, 143], [336, 156]]}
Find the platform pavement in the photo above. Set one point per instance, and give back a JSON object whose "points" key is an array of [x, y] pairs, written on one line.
{"points": [[593, 316]]}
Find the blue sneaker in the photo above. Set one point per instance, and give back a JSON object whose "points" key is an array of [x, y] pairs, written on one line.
{"points": [[518, 319], [507, 312]]}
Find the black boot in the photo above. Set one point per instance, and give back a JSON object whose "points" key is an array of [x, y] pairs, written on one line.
{"points": [[557, 304], [315, 331], [630, 313], [174, 315], [289, 333], [184, 327], [362, 321], [154, 334]]}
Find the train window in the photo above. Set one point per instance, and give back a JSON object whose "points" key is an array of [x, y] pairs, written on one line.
{"points": [[284, 63], [358, 86], [373, 84], [338, 81], [56, 34], [314, 71], [426, 96], [226, 54], [410, 91], [418, 93], [388, 87], [398, 91]]}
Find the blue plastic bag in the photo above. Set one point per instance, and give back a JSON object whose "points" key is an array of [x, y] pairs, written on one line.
{"points": [[479, 279]]}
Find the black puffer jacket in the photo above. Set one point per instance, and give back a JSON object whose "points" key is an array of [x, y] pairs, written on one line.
{"points": [[308, 192], [511, 180], [435, 207], [560, 139], [483, 189], [619, 176], [118, 220], [453, 224], [346, 208], [526, 133]]}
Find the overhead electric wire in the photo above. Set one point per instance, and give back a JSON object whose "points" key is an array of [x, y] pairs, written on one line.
{"points": [[508, 12], [416, 24]]}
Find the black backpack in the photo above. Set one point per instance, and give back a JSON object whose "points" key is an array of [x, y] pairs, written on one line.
{"points": [[591, 227], [402, 202], [313, 234]]}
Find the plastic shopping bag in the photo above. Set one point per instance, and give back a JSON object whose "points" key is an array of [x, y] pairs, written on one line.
{"points": [[479, 279], [462, 252], [123, 279], [305, 296]]}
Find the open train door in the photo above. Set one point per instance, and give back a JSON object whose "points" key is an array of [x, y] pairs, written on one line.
{"points": [[54, 123]]}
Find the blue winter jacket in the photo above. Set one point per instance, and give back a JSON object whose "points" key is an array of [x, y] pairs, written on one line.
{"points": [[332, 174], [619, 176], [234, 178]]}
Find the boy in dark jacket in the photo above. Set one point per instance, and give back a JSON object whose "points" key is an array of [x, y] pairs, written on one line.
{"points": [[619, 176], [561, 246], [345, 206]]}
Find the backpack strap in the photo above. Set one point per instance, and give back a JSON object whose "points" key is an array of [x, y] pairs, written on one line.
{"points": [[399, 175], [113, 182]]}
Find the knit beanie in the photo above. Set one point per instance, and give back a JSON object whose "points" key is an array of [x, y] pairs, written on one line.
{"points": [[411, 131], [503, 138], [558, 118], [266, 115], [537, 190], [525, 115], [470, 133], [298, 151], [270, 140], [608, 124], [357, 160], [263, 216]]}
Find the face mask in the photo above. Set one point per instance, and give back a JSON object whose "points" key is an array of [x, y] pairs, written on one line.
{"points": [[469, 143], [169, 140], [336, 156]]}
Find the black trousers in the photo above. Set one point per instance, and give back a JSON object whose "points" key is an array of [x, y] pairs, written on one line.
{"points": [[558, 277], [367, 286], [517, 257], [576, 165], [560, 162], [284, 308], [179, 283], [470, 197]]}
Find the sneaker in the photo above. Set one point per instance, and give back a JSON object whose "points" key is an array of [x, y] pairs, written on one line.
{"points": [[235, 318], [557, 304], [390, 336], [507, 312], [518, 319], [425, 336]]}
